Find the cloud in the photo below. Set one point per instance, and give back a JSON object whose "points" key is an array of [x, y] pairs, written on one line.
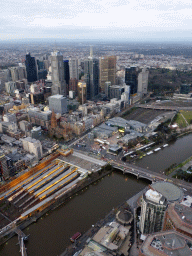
{"points": [[55, 17]]}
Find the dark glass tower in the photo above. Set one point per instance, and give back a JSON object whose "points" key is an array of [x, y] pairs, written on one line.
{"points": [[131, 79], [66, 74], [31, 68], [91, 72]]}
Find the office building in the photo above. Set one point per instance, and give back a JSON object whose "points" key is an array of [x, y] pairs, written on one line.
{"points": [[58, 103], [143, 82], [73, 85], [115, 91], [10, 87], [37, 117], [107, 71], [153, 206], [91, 77], [4, 171], [66, 74], [17, 73], [131, 79], [57, 67], [82, 90], [73, 68], [107, 87], [32, 146], [9, 118], [31, 68]]}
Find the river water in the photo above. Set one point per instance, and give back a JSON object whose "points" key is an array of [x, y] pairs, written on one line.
{"points": [[50, 235]]}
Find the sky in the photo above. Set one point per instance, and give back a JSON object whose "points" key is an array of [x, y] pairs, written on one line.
{"points": [[163, 20]]}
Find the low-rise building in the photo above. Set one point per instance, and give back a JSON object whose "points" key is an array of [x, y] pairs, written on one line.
{"points": [[166, 244]]}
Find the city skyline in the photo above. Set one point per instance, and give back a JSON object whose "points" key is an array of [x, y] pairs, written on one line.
{"points": [[101, 20]]}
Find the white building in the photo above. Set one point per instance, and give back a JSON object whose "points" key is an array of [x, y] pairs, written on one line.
{"points": [[32, 146]]}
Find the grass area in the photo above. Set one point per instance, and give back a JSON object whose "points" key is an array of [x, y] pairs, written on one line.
{"points": [[187, 115], [180, 121]]}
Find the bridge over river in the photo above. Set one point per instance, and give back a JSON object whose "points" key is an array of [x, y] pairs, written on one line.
{"points": [[139, 172]]}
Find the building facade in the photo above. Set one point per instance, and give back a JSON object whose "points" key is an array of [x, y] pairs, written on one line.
{"points": [[33, 146], [31, 68], [131, 79], [107, 71], [57, 67], [58, 103], [143, 82], [91, 77], [153, 206], [73, 68]]}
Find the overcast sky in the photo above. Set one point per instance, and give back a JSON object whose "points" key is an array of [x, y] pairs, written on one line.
{"points": [[96, 19]]}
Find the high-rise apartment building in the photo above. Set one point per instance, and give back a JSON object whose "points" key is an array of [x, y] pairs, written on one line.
{"points": [[131, 79], [91, 77], [58, 81], [153, 206], [31, 68], [107, 71]]}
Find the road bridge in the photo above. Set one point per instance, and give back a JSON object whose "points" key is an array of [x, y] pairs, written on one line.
{"points": [[139, 172]]}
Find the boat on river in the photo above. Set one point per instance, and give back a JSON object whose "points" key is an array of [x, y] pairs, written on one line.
{"points": [[157, 149], [150, 152], [166, 145], [75, 237]]}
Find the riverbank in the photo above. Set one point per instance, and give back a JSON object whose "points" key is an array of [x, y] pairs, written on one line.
{"points": [[131, 203]]}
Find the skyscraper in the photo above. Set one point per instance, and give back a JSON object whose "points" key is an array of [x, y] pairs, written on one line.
{"points": [[143, 82], [66, 74], [73, 68], [31, 68], [91, 77], [107, 71], [131, 79], [58, 81], [153, 206]]}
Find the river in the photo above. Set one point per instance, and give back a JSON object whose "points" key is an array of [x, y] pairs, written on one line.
{"points": [[50, 235], [176, 152]]}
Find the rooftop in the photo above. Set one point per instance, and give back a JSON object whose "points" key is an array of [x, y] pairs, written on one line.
{"points": [[168, 190], [57, 96], [167, 243]]}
